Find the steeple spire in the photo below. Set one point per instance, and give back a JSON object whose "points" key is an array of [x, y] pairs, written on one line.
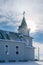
{"points": [[24, 14], [23, 24], [23, 27]]}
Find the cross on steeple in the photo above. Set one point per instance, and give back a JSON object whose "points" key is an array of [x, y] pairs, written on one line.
{"points": [[24, 14]]}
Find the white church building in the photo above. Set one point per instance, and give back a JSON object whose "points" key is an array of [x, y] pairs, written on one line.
{"points": [[16, 46]]}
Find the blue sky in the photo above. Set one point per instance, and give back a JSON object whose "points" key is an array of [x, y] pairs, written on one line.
{"points": [[11, 15]]}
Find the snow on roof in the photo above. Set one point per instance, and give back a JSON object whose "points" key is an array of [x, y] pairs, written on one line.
{"points": [[11, 36]]}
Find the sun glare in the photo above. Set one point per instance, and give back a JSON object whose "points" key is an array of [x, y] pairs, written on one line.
{"points": [[31, 25]]}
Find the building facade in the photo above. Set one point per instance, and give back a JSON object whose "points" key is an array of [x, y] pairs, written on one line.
{"points": [[16, 46]]}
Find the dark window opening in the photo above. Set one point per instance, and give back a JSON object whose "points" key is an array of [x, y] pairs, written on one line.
{"points": [[6, 45], [17, 52], [6, 49], [16, 46]]}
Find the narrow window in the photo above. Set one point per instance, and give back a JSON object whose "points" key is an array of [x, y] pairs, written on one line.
{"points": [[6, 49], [16, 47], [17, 50]]}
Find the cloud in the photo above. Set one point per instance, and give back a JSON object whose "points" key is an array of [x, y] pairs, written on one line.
{"points": [[8, 22], [11, 11]]}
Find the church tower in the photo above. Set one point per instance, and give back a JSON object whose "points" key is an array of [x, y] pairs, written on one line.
{"points": [[23, 29]]}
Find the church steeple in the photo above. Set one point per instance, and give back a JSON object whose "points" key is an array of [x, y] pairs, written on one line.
{"points": [[23, 27], [23, 24]]}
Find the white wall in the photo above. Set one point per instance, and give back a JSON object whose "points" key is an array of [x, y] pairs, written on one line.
{"points": [[12, 50], [29, 53], [24, 52]]}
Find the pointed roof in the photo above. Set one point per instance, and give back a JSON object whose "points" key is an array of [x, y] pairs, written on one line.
{"points": [[23, 24]]}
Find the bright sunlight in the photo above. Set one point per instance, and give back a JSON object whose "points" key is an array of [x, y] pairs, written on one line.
{"points": [[31, 25]]}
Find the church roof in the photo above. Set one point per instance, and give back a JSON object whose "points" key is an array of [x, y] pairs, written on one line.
{"points": [[11, 36]]}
